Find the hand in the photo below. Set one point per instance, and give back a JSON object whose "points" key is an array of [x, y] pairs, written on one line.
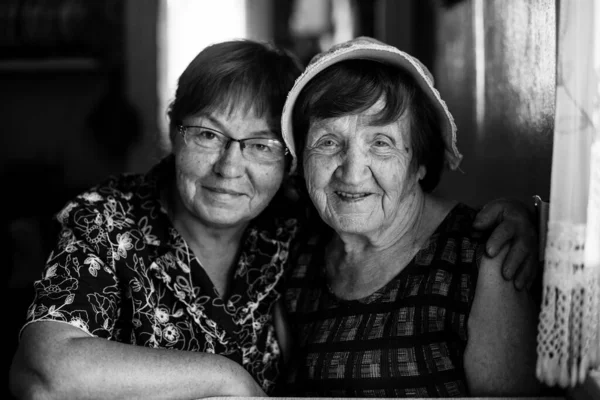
{"points": [[512, 225]]}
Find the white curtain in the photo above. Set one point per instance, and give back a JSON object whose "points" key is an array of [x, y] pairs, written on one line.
{"points": [[569, 328]]}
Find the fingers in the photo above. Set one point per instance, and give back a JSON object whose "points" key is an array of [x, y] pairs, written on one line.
{"points": [[490, 215], [511, 225], [502, 235], [514, 262], [521, 265], [526, 274], [521, 280]]}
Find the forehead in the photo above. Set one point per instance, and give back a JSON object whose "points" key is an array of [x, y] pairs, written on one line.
{"points": [[367, 118], [239, 102], [235, 123], [245, 105], [236, 114]]}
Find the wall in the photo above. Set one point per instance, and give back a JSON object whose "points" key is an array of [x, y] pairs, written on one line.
{"points": [[142, 47], [494, 62], [65, 126], [65, 121], [48, 152], [44, 123]]}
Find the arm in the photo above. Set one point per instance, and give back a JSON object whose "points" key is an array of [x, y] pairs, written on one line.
{"points": [[512, 224], [65, 351], [58, 360], [501, 350]]}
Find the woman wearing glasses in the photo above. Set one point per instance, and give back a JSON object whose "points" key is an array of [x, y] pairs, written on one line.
{"points": [[188, 257]]}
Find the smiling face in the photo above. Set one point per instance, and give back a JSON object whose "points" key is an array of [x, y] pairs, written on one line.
{"points": [[359, 175], [222, 189]]}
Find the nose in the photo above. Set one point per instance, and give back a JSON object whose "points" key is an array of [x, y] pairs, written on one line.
{"points": [[230, 163], [354, 167]]}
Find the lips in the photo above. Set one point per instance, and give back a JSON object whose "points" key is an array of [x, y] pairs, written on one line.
{"points": [[352, 195], [221, 190]]}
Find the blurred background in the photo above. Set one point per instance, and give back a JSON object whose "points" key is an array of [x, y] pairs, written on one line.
{"points": [[84, 87]]}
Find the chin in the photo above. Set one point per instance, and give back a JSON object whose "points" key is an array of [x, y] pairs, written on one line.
{"points": [[223, 218], [226, 222], [353, 224]]}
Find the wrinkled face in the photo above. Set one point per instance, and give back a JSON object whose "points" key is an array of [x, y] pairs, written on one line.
{"points": [[359, 174], [222, 188]]}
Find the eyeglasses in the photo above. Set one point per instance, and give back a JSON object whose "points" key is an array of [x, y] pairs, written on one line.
{"points": [[253, 149]]}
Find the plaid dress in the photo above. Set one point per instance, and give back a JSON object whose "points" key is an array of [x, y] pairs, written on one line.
{"points": [[407, 339]]}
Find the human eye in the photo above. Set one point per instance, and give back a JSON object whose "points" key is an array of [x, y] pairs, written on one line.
{"points": [[382, 143], [205, 137], [261, 146], [206, 134], [327, 143], [264, 150]]}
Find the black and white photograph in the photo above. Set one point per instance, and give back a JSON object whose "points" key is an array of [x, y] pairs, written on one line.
{"points": [[221, 199]]}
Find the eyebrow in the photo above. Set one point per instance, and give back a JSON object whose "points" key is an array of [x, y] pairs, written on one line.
{"points": [[221, 128]]}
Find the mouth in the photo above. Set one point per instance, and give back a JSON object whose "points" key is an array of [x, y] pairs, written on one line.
{"points": [[223, 191], [352, 196]]}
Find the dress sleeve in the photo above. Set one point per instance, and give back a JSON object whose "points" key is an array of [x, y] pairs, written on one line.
{"points": [[79, 284]]}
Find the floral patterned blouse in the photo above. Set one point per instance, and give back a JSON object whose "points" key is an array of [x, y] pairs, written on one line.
{"points": [[121, 271]]}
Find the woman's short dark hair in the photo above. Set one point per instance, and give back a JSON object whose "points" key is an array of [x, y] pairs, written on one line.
{"points": [[353, 86], [237, 73]]}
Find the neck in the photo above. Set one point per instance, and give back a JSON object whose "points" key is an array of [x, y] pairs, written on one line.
{"points": [[216, 248], [195, 231], [402, 232], [214, 241], [358, 265]]}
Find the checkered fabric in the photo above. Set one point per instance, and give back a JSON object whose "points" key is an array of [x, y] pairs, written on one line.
{"points": [[405, 340]]}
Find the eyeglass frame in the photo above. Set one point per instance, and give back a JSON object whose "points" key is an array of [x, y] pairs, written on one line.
{"points": [[182, 130]]}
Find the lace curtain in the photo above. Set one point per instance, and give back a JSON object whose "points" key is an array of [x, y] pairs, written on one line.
{"points": [[569, 328]]}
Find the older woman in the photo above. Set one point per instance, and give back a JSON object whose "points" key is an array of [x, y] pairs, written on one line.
{"points": [[394, 297], [187, 257]]}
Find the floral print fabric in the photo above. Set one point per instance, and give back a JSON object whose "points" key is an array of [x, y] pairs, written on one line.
{"points": [[121, 271]]}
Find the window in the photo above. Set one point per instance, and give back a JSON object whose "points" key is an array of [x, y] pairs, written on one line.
{"points": [[185, 28]]}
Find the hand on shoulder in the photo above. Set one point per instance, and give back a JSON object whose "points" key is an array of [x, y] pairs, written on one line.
{"points": [[501, 349]]}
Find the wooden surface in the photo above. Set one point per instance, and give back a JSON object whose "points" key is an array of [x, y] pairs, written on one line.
{"points": [[359, 398], [589, 390]]}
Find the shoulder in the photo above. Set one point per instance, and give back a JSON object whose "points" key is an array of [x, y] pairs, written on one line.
{"points": [[126, 188], [497, 295], [122, 195], [500, 354], [453, 232], [111, 194], [458, 219]]}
